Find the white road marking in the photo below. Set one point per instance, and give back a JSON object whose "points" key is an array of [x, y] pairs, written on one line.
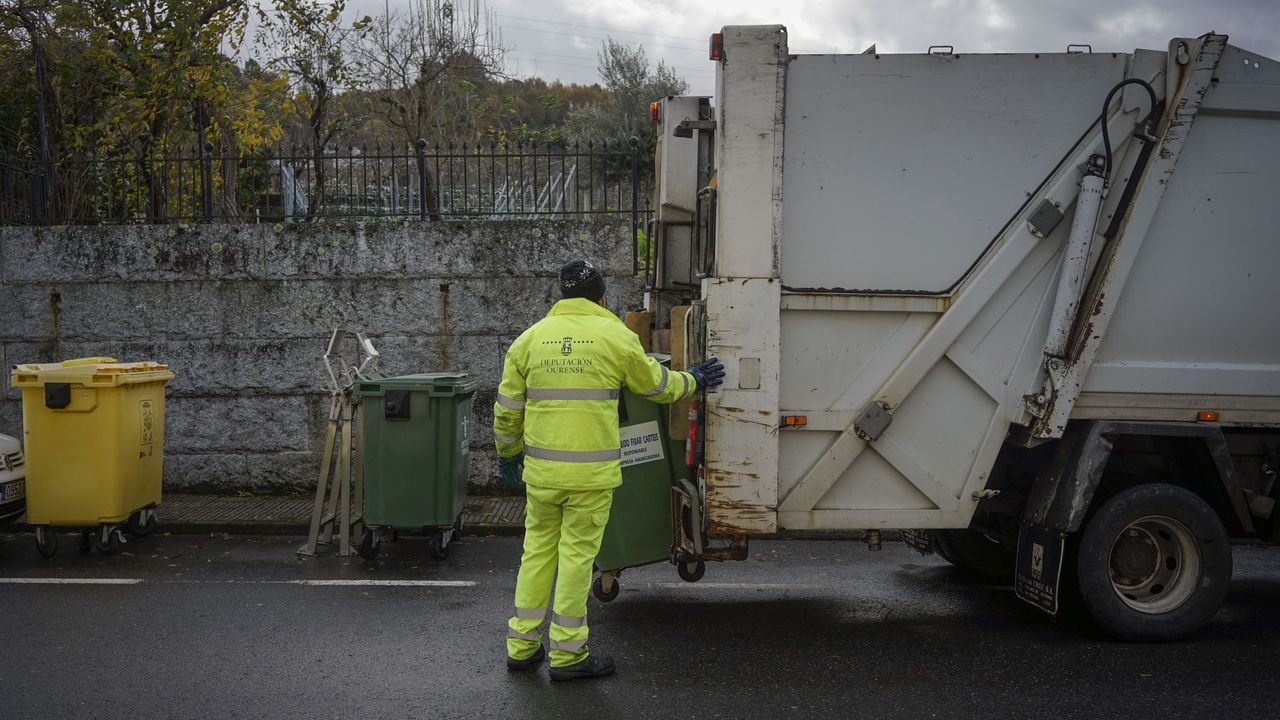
{"points": [[69, 581], [312, 583], [376, 583]]}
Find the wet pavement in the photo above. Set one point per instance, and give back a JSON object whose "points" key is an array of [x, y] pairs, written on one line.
{"points": [[291, 514], [239, 627]]}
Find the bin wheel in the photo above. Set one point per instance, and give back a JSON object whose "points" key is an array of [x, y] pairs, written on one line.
{"points": [[369, 544], [106, 540], [86, 541], [692, 571], [46, 541], [141, 523], [597, 589], [437, 547]]}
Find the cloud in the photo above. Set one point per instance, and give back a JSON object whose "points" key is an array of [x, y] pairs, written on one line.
{"points": [[559, 38]]}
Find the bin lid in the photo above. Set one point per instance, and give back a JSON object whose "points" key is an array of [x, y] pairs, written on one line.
{"points": [[441, 384], [90, 372]]}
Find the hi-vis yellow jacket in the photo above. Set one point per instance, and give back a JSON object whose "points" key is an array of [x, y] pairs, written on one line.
{"points": [[558, 401]]}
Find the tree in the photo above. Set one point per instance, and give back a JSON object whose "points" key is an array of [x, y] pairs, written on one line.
{"points": [[131, 78], [530, 110], [424, 70], [624, 113], [47, 90], [142, 79], [311, 48]]}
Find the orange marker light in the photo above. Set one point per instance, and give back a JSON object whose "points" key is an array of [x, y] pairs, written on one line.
{"points": [[1207, 416], [653, 111], [717, 46], [795, 420]]}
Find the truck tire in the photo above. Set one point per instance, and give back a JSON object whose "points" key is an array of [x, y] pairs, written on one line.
{"points": [[976, 555], [1153, 563]]}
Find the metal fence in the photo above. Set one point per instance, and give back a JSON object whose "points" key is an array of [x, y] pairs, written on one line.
{"points": [[365, 182]]}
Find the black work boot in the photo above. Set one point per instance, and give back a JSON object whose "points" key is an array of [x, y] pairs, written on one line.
{"points": [[593, 667], [532, 661]]}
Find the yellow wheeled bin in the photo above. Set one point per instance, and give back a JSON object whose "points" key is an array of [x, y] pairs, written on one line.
{"points": [[93, 431]]}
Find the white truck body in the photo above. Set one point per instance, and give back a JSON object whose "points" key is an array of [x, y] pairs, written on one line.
{"points": [[879, 279]]}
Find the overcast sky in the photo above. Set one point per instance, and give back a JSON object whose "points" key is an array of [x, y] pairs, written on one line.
{"points": [[558, 39]]}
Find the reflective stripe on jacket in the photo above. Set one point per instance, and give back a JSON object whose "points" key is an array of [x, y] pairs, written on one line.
{"points": [[558, 401]]}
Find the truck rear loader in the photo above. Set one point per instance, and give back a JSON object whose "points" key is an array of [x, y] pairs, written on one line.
{"points": [[1020, 307]]}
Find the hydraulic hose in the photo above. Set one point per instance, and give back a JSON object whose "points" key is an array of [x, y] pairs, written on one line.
{"points": [[1106, 136], [703, 261], [1126, 197]]}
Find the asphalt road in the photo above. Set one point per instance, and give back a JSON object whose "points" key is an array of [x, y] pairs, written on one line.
{"points": [[196, 627]]}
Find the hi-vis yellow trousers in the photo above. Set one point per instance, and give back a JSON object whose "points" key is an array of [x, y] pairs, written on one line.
{"points": [[563, 529]]}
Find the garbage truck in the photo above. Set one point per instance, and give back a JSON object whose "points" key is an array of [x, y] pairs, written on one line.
{"points": [[1020, 308]]}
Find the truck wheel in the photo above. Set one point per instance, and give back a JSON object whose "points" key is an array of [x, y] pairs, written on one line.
{"points": [[977, 555], [1153, 563], [941, 547]]}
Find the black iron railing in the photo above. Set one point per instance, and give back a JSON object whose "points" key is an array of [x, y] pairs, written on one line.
{"points": [[424, 181]]}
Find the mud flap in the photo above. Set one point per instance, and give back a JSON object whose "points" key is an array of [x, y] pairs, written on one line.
{"points": [[919, 540], [1039, 566]]}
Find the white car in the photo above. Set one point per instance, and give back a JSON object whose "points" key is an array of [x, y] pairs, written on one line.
{"points": [[13, 479]]}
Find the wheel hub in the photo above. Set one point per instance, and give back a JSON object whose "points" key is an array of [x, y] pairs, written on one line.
{"points": [[1154, 564], [1135, 557]]}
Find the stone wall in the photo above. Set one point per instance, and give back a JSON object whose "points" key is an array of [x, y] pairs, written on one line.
{"points": [[242, 315]]}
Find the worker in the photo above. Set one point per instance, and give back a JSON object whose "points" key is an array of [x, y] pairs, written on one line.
{"points": [[556, 427]]}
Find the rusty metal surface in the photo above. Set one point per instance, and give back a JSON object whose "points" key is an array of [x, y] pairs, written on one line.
{"points": [[728, 513], [739, 501], [741, 452]]}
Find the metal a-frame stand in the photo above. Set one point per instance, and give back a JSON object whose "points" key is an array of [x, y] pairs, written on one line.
{"points": [[334, 489]]}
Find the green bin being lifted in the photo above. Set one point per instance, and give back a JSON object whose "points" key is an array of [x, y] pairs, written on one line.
{"points": [[415, 433], [639, 529]]}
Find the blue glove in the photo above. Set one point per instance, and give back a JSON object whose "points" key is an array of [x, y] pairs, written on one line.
{"points": [[708, 373], [512, 470]]}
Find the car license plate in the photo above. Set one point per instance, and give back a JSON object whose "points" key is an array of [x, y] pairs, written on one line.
{"points": [[15, 490]]}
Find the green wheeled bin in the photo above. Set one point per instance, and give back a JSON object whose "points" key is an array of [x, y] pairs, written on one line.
{"points": [[639, 529], [415, 436]]}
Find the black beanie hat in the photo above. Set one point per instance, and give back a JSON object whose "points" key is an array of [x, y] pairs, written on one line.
{"points": [[581, 279]]}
